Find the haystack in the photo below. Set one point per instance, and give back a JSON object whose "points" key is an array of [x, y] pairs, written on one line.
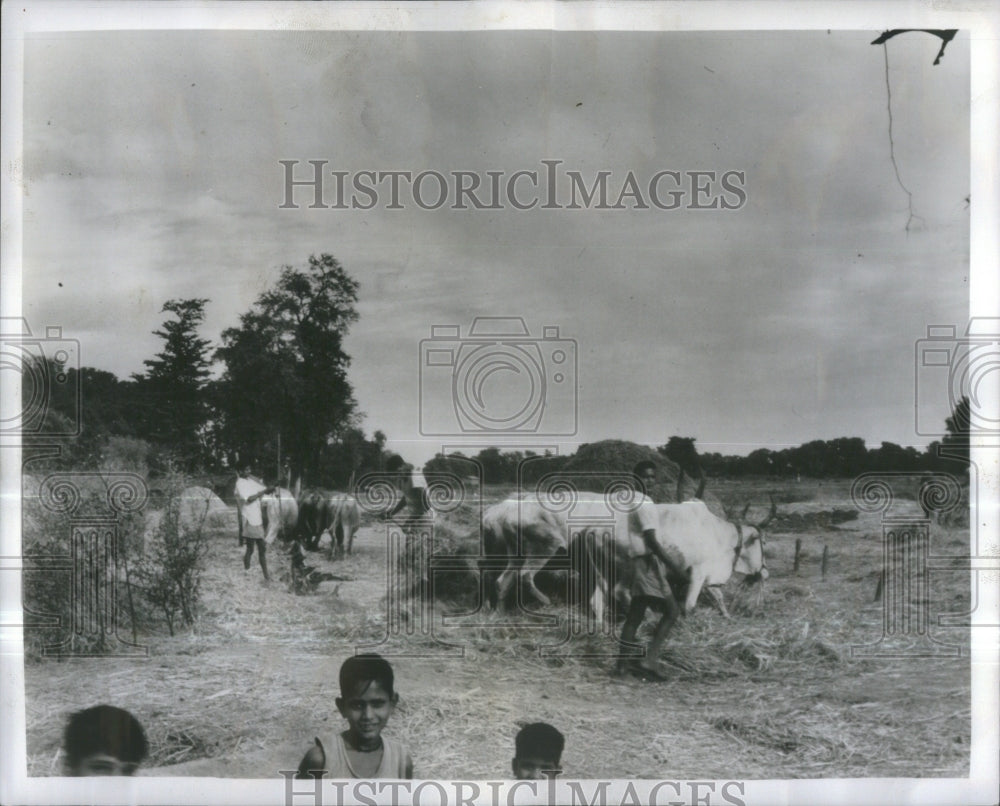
{"points": [[198, 507], [200, 502], [598, 464]]}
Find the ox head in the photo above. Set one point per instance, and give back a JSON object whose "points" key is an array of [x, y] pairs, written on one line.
{"points": [[749, 553]]}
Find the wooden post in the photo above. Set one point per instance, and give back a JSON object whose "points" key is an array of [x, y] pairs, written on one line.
{"points": [[826, 554], [798, 551], [279, 459]]}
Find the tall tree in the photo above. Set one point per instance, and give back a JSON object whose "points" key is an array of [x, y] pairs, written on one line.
{"points": [[285, 378], [174, 408], [681, 451]]}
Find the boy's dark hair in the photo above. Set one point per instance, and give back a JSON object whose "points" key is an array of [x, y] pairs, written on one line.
{"points": [[643, 466], [394, 463], [539, 740], [366, 668], [104, 729]]}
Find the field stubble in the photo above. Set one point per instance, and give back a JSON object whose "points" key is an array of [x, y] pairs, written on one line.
{"points": [[772, 693]]}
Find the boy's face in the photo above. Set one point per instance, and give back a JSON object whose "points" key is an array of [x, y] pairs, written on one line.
{"points": [[104, 764], [366, 710], [534, 768]]}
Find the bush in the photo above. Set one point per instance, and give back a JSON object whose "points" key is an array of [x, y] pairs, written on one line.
{"points": [[169, 574], [125, 454]]}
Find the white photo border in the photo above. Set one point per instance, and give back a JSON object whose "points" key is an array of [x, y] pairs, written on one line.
{"points": [[980, 19]]}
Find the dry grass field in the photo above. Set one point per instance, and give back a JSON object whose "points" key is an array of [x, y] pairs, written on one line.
{"points": [[772, 693]]}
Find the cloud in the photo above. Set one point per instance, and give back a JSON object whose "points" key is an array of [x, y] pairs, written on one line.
{"points": [[153, 173]]}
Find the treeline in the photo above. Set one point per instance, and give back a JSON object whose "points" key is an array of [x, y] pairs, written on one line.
{"points": [[845, 457], [834, 458], [273, 394], [496, 466]]}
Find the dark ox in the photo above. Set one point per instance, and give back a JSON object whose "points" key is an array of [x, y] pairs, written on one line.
{"points": [[336, 513], [521, 534]]}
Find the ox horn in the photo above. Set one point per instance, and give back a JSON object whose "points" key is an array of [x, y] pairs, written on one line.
{"points": [[770, 515]]}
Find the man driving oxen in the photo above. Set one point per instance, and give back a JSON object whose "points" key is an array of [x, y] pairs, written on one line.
{"points": [[266, 511], [249, 490]]}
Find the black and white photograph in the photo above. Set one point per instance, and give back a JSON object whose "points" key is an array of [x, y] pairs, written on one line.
{"points": [[494, 403]]}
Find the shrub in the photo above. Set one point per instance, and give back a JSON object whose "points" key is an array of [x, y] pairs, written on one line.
{"points": [[169, 573]]}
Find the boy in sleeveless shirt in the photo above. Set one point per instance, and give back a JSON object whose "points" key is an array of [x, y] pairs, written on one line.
{"points": [[367, 700]]}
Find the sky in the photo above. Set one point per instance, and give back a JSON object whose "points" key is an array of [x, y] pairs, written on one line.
{"points": [[151, 172]]}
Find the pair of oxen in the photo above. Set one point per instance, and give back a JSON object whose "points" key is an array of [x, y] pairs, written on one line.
{"points": [[597, 536], [314, 513]]}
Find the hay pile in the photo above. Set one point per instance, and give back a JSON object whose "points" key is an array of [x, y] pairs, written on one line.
{"points": [[597, 464], [198, 508]]}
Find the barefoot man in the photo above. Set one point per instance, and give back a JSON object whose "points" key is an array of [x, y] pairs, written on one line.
{"points": [[650, 590], [249, 489]]}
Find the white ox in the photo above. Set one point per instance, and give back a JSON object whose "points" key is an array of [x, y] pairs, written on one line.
{"points": [[534, 529], [344, 522], [281, 513], [711, 548]]}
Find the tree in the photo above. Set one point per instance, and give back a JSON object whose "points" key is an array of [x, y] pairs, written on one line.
{"points": [[682, 452], [106, 406], [892, 457], [173, 404], [847, 456], [955, 443], [285, 377], [350, 455]]}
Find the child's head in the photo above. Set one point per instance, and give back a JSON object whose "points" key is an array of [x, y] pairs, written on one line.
{"points": [[537, 752], [104, 740], [367, 697]]}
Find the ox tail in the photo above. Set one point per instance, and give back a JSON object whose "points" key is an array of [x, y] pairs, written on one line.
{"points": [[592, 562]]}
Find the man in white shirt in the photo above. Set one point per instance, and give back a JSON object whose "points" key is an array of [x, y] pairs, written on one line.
{"points": [[650, 590], [249, 490]]}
